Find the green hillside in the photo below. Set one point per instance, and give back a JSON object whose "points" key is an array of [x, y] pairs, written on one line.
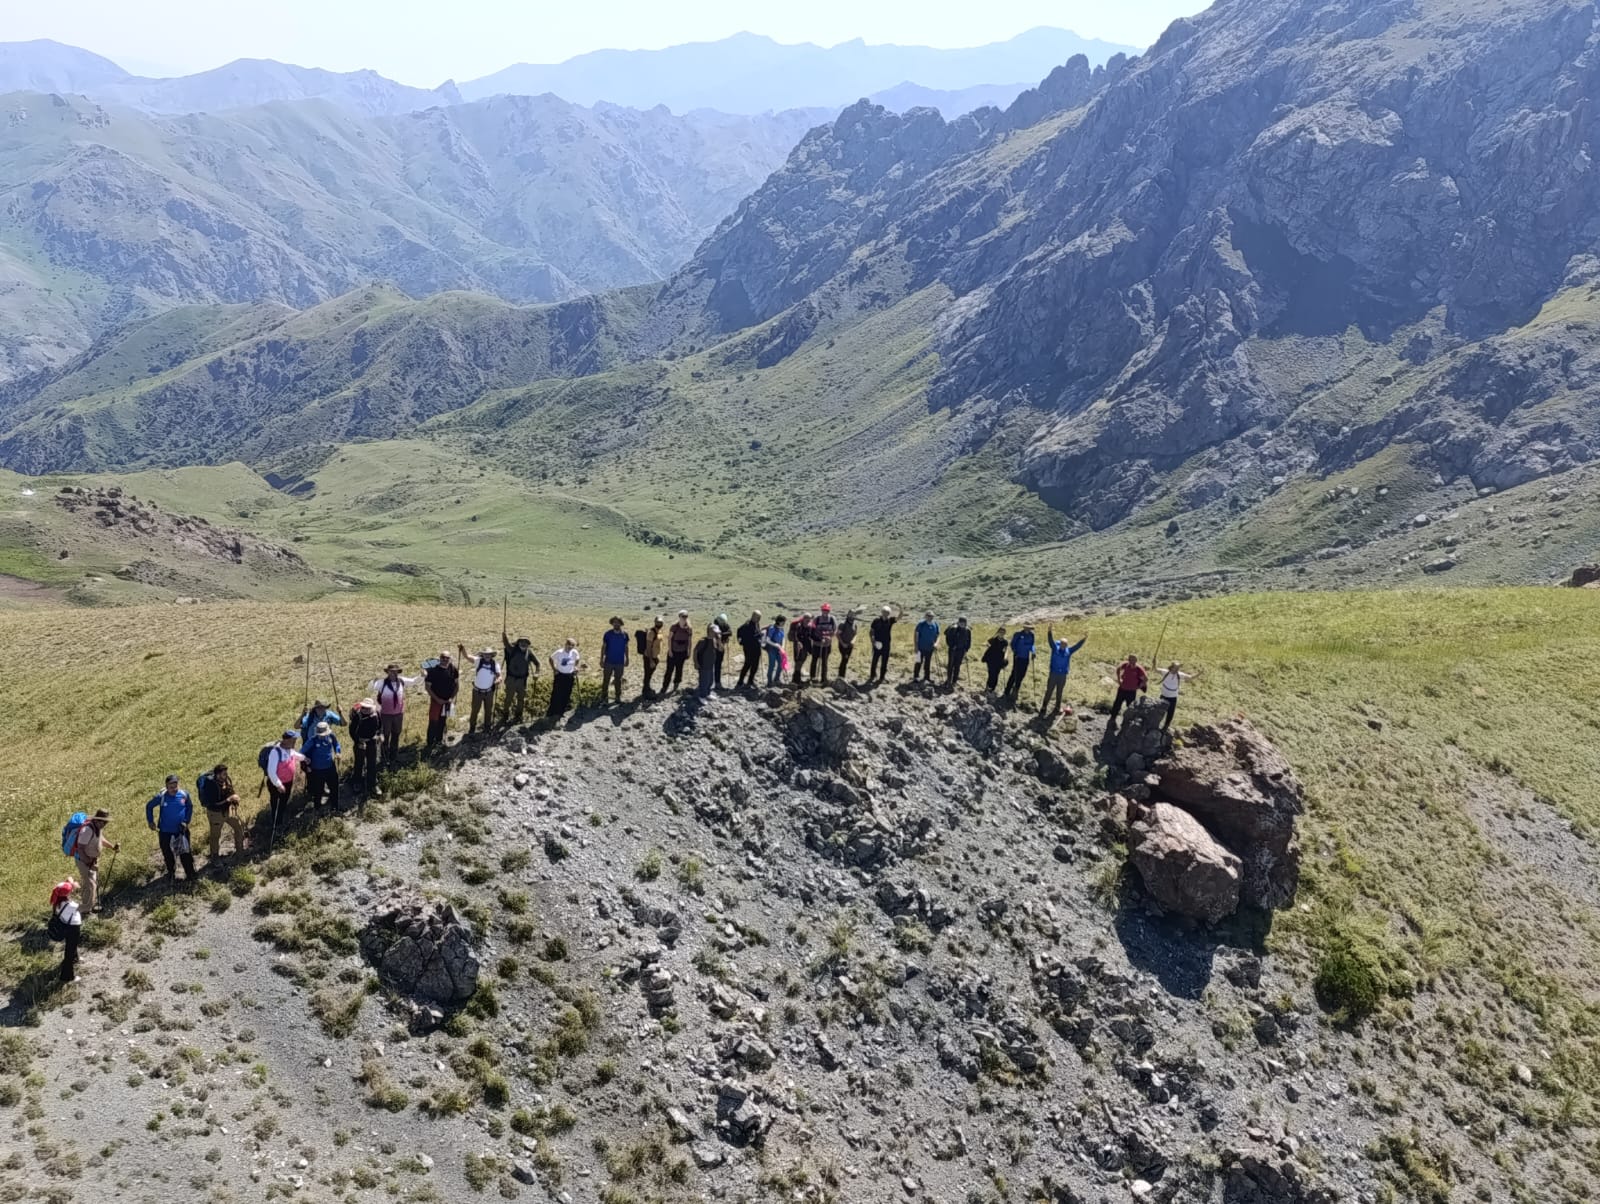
{"points": [[1450, 807]]}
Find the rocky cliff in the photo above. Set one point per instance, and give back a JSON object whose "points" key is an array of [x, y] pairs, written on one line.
{"points": [[1133, 250]]}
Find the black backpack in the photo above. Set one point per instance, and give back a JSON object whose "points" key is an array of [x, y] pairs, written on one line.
{"points": [[639, 638], [57, 928], [264, 754]]}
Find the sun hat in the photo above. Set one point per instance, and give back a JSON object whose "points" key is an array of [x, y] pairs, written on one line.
{"points": [[323, 729], [392, 668], [103, 815]]}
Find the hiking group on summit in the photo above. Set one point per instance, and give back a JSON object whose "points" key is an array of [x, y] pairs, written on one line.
{"points": [[309, 750]]}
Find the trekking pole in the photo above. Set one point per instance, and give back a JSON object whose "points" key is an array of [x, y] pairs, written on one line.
{"points": [[1163, 639], [331, 682], [305, 699], [110, 880]]}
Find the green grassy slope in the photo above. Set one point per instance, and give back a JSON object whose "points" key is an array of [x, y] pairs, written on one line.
{"points": [[1435, 732]]}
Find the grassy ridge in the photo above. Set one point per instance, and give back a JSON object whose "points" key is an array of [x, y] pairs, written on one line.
{"points": [[1418, 721]]}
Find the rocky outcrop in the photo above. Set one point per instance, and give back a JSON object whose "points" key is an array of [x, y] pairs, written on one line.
{"points": [[1586, 576], [128, 517], [1182, 866], [820, 730], [424, 951], [1230, 777]]}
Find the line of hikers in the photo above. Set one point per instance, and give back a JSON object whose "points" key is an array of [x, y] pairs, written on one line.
{"points": [[309, 751]]}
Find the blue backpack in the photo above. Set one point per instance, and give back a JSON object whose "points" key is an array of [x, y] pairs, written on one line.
{"points": [[69, 834]]}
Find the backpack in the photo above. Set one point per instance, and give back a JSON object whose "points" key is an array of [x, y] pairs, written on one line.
{"points": [[202, 787], [264, 755], [57, 927], [69, 834], [639, 638]]}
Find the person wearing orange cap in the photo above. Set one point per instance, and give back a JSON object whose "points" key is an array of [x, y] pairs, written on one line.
{"points": [[66, 926], [823, 628]]}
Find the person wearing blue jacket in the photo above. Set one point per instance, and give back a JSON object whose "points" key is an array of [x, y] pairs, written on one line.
{"points": [[320, 712], [927, 639], [168, 815], [1021, 658], [322, 766], [1060, 665]]}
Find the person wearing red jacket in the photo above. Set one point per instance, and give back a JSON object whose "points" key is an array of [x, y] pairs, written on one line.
{"points": [[1131, 682]]}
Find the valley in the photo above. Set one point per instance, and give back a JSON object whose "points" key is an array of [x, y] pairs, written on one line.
{"points": [[1272, 349]]}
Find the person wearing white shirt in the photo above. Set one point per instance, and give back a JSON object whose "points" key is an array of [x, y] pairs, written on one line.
{"points": [[1171, 683], [485, 679], [66, 926], [283, 762], [564, 663]]}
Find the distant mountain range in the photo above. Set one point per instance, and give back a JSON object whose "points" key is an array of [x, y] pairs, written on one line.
{"points": [[749, 73], [107, 214], [46, 66], [744, 74]]}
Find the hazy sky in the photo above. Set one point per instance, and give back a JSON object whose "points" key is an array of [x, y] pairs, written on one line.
{"points": [[426, 41]]}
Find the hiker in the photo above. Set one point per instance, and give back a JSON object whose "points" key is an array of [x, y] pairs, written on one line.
{"points": [[1131, 681], [322, 767], [1171, 683], [1061, 654], [365, 727], [220, 801], [724, 641], [168, 814], [680, 639], [520, 661], [613, 660], [655, 641], [847, 641], [565, 662], [282, 762], [927, 639], [390, 693], [882, 632], [443, 683], [957, 643], [772, 640], [485, 681], [749, 637], [66, 926], [707, 654], [800, 641], [88, 843], [320, 712], [823, 629], [994, 658], [1021, 658]]}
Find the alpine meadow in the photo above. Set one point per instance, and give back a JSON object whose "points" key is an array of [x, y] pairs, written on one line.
{"points": [[805, 622]]}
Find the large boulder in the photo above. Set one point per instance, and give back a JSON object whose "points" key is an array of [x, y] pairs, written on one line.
{"points": [[1232, 778], [820, 730], [422, 951], [1585, 576], [1182, 865], [1131, 749]]}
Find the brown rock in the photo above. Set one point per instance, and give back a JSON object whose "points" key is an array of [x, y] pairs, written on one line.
{"points": [[1231, 777], [1182, 865]]}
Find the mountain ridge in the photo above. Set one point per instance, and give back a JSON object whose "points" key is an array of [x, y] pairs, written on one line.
{"points": [[751, 73]]}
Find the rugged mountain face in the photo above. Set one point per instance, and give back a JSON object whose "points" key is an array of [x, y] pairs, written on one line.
{"points": [[108, 214], [748, 73], [1134, 253]]}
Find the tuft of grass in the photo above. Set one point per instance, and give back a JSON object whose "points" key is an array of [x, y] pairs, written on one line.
{"points": [[649, 868]]}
